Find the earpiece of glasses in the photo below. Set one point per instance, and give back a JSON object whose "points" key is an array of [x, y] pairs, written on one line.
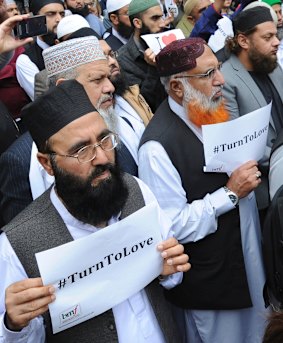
{"points": [[208, 75]]}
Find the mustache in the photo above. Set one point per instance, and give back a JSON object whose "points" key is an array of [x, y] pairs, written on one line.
{"points": [[215, 90], [100, 169], [104, 98]]}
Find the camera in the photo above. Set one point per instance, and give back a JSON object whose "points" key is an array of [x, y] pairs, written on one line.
{"points": [[30, 27]]}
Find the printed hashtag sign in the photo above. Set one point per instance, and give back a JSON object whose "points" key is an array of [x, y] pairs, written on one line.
{"points": [[61, 283], [216, 149]]}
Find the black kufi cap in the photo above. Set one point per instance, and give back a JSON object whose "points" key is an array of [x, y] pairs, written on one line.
{"points": [[248, 19], [84, 32], [55, 109], [36, 5]]}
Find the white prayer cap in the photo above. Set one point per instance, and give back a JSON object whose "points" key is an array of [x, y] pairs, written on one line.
{"points": [[114, 5], [10, 2], [71, 54], [70, 24]]}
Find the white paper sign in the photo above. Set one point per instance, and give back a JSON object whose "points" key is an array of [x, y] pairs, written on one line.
{"points": [[95, 273], [172, 8], [157, 41], [225, 29], [230, 144]]}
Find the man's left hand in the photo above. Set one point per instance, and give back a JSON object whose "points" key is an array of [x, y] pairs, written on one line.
{"points": [[174, 258]]}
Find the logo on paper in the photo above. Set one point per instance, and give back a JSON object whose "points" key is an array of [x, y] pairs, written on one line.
{"points": [[70, 314]]}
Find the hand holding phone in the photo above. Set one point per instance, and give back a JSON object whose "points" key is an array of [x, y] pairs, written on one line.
{"points": [[7, 40], [31, 27]]}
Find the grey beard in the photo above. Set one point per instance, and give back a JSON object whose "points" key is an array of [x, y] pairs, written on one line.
{"points": [[193, 94], [110, 118]]}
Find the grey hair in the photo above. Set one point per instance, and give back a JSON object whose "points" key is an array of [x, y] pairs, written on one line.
{"points": [[67, 74], [165, 80]]}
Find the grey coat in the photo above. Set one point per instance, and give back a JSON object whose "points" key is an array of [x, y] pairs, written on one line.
{"points": [[242, 96]]}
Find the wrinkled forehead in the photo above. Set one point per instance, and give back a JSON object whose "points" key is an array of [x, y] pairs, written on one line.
{"points": [[87, 127], [93, 69], [207, 59]]}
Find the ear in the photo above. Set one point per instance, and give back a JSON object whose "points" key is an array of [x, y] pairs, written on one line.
{"points": [[59, 81], [44, 160], [114, 19], [137, 23], [243, 41], [191, 19], [177, 90], [57, 41]]}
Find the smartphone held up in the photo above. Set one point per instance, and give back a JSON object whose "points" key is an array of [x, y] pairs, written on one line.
{"points": [[31, 27]]}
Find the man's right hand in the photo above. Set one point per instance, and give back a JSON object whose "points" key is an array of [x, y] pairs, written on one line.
{"points": [[26, 300], [149, 57], [244, 179]]}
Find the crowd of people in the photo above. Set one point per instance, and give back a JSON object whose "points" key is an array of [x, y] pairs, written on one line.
{"points": [[95, 126]]}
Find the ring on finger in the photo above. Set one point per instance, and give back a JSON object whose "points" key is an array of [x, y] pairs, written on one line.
{"points": [[258, 174]]}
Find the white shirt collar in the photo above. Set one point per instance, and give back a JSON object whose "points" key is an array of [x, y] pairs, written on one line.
{"points": [[117, 35], [181, 113], [41, 43]]}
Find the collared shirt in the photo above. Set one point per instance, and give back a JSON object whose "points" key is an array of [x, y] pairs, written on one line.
{"points": [[134, 318], [117, 35], [193, 221], [39, 179], [26, 70], [129, 134]]}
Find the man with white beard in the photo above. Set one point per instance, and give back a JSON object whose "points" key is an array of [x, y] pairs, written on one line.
{"points": [[214, 215], [23, 177]]}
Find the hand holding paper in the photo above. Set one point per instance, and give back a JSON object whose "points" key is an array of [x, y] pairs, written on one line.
{"points": [[244, 179], [95, 263], [149, 57], [26, 300], [174, 258], [157, 41]]}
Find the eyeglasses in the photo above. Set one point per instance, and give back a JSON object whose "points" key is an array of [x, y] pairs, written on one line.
{"points": [[112, 54], [125, 14], [89, 152], [90, 4], [210, 74]]}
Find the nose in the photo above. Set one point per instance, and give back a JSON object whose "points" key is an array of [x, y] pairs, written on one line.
{"points": [[59, 16], [161, 22], [108, 87], [101, 157], [218, 78], [111, 61], [276, 41]]}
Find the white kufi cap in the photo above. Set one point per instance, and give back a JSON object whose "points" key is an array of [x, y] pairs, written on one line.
{"points": [[70, 24], [71, 54], [10, 2], [114, 5]]}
